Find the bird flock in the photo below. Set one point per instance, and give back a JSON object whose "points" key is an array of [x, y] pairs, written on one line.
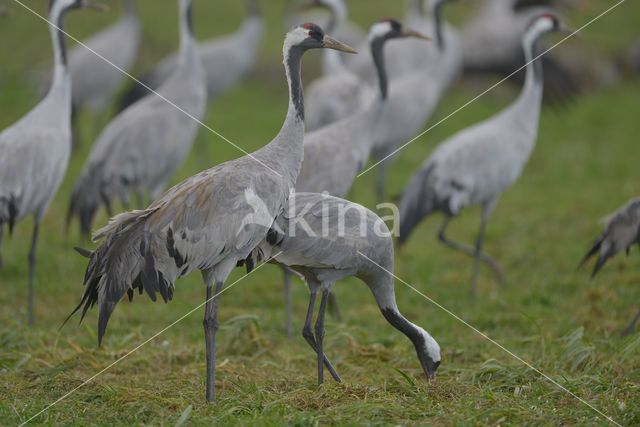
{"points": [[285, 203]]}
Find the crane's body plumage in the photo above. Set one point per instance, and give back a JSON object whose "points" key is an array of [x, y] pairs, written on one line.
{"points": [[94, 80], [142, 147]]}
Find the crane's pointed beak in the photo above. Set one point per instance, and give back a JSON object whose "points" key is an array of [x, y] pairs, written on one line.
{"points": [[330, 43], [90, 4], [408, 32]]}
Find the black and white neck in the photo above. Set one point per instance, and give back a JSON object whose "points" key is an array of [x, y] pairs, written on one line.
{"points": [[438, 22], [61, 81], [377, 52], [187, 35], [530, 98]]}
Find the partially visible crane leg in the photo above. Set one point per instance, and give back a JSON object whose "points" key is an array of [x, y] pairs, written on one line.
{"points": [[307, 333], [469, 250], [381, 177], [287, 301], [1, 232], [32, 267], [319, 329], [210, 323], [478, 250], [334, 309], [632, 326]]}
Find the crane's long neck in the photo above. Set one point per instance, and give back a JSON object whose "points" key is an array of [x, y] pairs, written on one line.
{"points": [[61, 83], [383, 291], [438, 23], [332, 60], [187, 36], [377, 52], [130, 9], [286, 152], [530, 100]]}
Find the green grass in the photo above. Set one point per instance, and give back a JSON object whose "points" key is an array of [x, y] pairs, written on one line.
{"points": [[585, 165]]}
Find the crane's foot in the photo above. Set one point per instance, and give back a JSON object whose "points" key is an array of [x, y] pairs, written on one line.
{"points": [[631, 328], [310, 338]]}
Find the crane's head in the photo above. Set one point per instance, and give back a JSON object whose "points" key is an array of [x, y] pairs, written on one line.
{"points": [[428, 352], [64, 5], [310, 36], [390, 28], [547, 22]]}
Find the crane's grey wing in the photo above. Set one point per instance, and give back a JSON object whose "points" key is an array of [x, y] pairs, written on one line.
{"points": [[622, 230]]}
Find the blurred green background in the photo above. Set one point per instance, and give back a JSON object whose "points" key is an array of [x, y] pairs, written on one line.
{"points": [[585, 166]]}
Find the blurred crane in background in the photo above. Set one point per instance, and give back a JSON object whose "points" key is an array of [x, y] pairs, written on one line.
{"points": [[476, 165], [34, 152], [621, 232]]}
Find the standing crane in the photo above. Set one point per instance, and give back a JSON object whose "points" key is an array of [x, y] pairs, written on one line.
{"points": [[142, 147], [226, 59], [34, 152], [333, 155], [209, 222], [475, 166], [621, 232], [415, 96], [94, 80], [325, 239]]}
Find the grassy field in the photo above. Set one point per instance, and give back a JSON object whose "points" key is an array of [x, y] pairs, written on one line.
{"points": [[549, 314]]}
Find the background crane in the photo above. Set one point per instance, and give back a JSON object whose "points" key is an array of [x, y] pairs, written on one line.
{"points": [[475, 166], [34, 152], [621, 232], [142, 147]]}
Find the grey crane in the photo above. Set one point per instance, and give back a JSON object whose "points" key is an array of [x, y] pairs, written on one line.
{"points": [[333, 155], [476, 165], [414, 97], [621, 232], [226, 59], [491, 45], [209, 222], [142, 147], [95, 81], [34, 152], [325, 239]]}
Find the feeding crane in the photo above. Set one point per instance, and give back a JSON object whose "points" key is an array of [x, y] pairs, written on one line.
{"points": [[34, 152], [325, 239], [208, 222], [476, 165]]}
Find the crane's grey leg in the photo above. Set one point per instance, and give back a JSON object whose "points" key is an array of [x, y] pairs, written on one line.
{"points": [[320, 334], [1, 232], [32, 267], [469, 250], [381, 177], [307, 333], [632, 326], [287, 301], [210, 323], [486, 211], [334, 308]]}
